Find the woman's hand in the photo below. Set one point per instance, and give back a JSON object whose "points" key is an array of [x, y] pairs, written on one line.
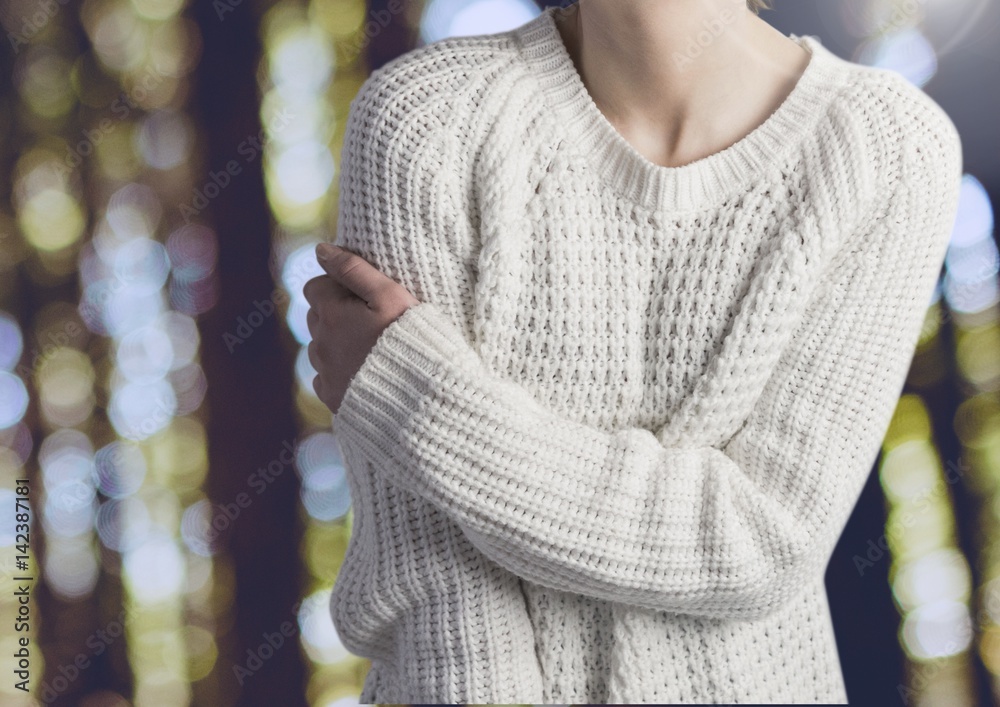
{"points": [[349, 308]]}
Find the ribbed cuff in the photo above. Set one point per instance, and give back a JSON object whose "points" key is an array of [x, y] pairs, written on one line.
{"points": [[397, 374]]}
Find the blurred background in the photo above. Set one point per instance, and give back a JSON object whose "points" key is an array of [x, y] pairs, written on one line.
{"points": [[168, 167]]}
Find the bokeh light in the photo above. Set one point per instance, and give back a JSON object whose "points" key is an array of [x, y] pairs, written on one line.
{"points": [[111, 377]]}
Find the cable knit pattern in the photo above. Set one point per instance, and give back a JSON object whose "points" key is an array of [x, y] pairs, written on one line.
{"points": [[608, 456]]}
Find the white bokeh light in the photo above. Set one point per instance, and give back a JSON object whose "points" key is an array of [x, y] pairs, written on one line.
{"points": [[13, 400], [304, 170], [454, 18], [906, 51], [138, 411], [318, 634], [155, 569]]}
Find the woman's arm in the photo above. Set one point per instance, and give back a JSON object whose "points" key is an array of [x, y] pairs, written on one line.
{"points": [[729, 533]]}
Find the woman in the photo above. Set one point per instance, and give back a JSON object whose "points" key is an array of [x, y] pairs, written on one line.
{"points": [[626, 299]]}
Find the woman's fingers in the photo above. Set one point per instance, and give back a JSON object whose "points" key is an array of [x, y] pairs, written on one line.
{"points": [[353, 272], [312, 320]]}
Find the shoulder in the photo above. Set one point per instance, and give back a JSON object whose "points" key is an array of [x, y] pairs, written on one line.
{"points": [[913, 153], [905, 130], [430, 88], [896, 154]]}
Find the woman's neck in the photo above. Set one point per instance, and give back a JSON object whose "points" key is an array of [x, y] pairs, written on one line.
{"points": [[680, 79]]}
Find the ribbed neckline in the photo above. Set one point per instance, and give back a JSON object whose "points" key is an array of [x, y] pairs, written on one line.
{"points": [[694, 185]]}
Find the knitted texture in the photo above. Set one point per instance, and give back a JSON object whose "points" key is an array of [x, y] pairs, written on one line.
{"points": [[608, 456]]}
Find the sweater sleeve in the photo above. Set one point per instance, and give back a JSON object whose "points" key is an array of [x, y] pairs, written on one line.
{"points": [[731, 532]]}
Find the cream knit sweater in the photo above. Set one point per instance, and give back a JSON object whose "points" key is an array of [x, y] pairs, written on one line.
{"points": [[608, 456]]}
